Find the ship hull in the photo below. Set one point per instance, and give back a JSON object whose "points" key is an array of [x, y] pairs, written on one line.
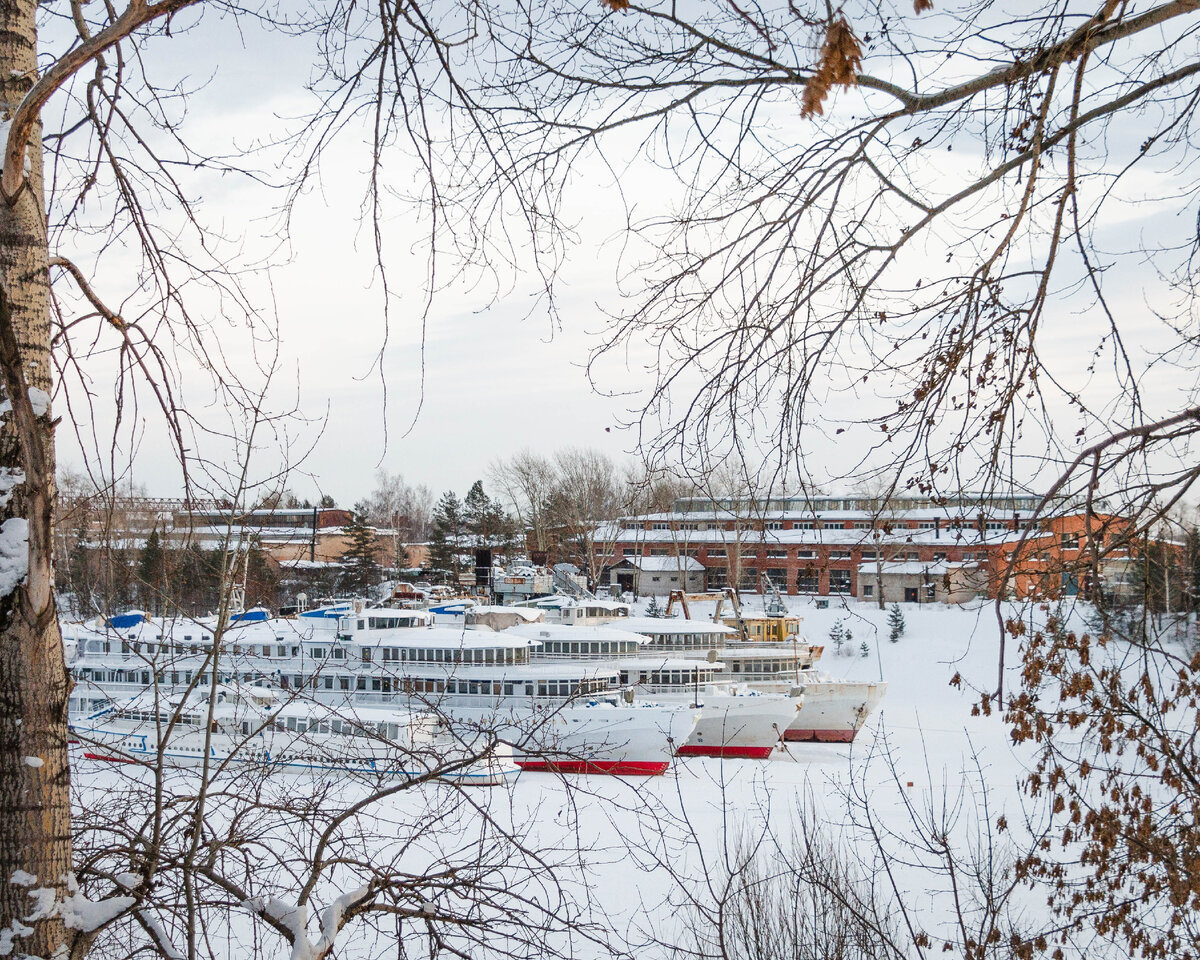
{"points": [[834, 711], [594, 738], [740, 726]]}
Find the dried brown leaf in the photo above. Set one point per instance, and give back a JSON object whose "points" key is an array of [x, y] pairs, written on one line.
{"points": [[837, 65]]}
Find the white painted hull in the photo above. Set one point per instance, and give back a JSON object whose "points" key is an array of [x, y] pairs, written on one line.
{"points": [[412, 757], [588, 738], [833, 710]]}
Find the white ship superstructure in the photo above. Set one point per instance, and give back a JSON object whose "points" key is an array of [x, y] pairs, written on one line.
{"points": [[567, 716], [734, 722], [234, 726], [832, 710]]}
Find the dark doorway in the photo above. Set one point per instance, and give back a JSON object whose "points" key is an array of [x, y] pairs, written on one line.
{"points": [[910, 594]]}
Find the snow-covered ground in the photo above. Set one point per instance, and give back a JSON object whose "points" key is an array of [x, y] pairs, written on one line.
{"points": [[626, 844]]}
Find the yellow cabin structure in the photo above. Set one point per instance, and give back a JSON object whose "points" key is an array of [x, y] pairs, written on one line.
{"points": [[766, 629]]}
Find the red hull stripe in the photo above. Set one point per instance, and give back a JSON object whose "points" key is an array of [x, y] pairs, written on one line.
{"points": [[104, 756], [824, 736], [749, 753], [630, 768]]}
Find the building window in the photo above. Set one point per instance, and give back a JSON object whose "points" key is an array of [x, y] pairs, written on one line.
{"points": [[807, 581], [804, 525], [869, 555], [629, 551], [806, 554], [716, 551], [660, 526], [655, 579], [1069, 541], [868, 590], [938, 556], [862, 525], [776, 554], [840, 555], [660, 552], [839, 581], [774, 525]]}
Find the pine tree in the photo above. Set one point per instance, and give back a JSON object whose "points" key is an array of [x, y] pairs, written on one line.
{"points": [[864, 649], [837, 636], [653, 609], [477, 515], [895, 623], [445, 540], [849, 640], [150, 572], [362, 566]]}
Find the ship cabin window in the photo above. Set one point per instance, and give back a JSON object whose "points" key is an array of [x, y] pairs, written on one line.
{"points": [[362, 624]]}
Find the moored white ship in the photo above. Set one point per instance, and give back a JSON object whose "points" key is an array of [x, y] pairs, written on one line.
{"points": [[564, 716], [831, 710], [235, 727], [735, 721]]}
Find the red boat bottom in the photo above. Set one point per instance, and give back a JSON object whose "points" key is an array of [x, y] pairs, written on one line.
{"points": [[104, 756], [628, 768], [823, 736], [747, 753]]}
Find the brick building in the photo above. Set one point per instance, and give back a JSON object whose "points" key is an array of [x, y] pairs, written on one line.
{"points": [[819, 545]]}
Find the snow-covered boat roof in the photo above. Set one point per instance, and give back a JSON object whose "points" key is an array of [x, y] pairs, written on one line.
{"points": [[587, 632], [449, 638], [527, 614], [673, 625]]}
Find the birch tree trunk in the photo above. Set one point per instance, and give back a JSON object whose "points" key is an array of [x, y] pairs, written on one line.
{"points": [[35, 839]]}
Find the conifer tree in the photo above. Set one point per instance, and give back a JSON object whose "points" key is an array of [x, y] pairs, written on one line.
{"points": [[150, 572], [895, 623], [653, 609], [362, 565], [445, 541], [837, 636]]}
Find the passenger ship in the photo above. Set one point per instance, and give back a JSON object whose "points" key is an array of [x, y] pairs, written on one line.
{"points": [[570, 717], [234, 726], [832, 710], [733, 722]]}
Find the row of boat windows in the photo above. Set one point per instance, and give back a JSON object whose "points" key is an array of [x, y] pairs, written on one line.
{"points": [[528, 688], [454, 655], [685, 639], [765, 666], [611, 647], [150, 716], [388, 623], [345, 728], [435, 655], [668, 678]]}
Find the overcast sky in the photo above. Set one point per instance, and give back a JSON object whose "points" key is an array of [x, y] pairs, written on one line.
{"points": [[497, 376]]}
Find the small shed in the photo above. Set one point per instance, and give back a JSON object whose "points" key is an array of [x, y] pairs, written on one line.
{"points": [[914, 581], [657, 576]]}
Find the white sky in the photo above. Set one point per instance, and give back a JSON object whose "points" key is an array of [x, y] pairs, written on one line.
{"points": [[497, 377]]}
